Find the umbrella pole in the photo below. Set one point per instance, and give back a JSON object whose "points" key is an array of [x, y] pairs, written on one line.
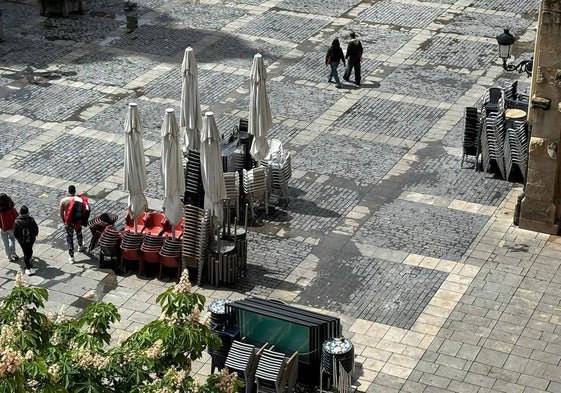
{"points": [[135, 226], [228, 215], [246, 212]]}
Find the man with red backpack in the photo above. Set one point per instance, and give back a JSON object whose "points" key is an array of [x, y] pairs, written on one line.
{"points": [[74, 212]]}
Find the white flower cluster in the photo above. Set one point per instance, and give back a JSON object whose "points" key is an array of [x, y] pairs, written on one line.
{"points": [[53, 370], [20, 282], [7, 336], [195, 315], [184, 285], [21, 318], [10, 361], [226, 384], [156, 350], [29, 356], [177, 377], [86, 360]]}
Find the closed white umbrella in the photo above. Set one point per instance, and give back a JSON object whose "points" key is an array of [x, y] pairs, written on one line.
{"points": [[211, 167], [172, 169], [190, 118], [260, 118], [134, 178]]}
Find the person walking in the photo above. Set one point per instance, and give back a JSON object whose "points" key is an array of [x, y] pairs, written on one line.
{"points": [[334, 57], [74, 211], [26, 231], [354, 57], [8, 214]]}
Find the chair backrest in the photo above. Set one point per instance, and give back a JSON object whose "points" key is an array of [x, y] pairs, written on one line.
{"points": [[271, 366], [495, 94], [240, 356]]}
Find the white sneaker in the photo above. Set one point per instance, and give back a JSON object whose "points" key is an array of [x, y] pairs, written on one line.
{"points": [[28, 272], [71, 259]]}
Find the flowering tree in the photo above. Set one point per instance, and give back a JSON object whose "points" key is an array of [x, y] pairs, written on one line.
{"points": [[52, 354]]}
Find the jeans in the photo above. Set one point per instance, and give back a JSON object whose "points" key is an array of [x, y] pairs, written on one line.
{"points": [[353, 64], [70, 228], [334, 73], [9, 243]]}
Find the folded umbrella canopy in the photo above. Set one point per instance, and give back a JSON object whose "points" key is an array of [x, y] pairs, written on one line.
{"points": [[211, 167], [134, 178], [190, 118], [260, 118], [172, 169]]}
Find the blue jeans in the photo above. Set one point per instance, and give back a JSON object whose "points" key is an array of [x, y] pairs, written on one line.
{"points": [[9, 243], [334, 73]]}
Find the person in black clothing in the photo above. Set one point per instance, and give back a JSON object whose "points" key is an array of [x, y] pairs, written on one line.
{"points": [[334, 57], [354, 55], [26, 231]]}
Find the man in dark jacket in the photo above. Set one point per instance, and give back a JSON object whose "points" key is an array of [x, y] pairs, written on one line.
{"points": [[26, 231], [353, 56]]}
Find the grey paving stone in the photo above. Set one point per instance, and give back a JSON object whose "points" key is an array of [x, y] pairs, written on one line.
{"points": [[15, 135], [374, 289], [54, 159], [442, 50], [376, 40], [282, 26], [530, 6], [462, 387], [158, 40], [31, 101], [484, 25], [112, 118], [554, 387], [447, 86], [108, 68], [365, 163], [111, 8], [435, 380], [17, 14], [439, 174], [235, 50], [391, 118], [318, 7], [431, 234], [196, 15], [76, 27], [400, 14], [270, 261], [491, 357], [212, 85]]}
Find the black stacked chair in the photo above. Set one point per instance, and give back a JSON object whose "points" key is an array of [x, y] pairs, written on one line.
{"points": [[516, 148], [494, 100], [194, 191], [109, 246], [471, 135], [492, 143], [97, 225], [170, 256]]}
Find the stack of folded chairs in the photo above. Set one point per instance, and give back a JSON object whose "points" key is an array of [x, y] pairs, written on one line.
{"points": [[150, 251], [471, 135], [109, 242], [170, 256], [130, 248], [492, 142], [516, 148]]}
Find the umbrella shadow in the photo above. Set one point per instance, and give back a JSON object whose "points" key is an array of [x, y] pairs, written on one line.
{"points": [[46, 271], [260, 277]]}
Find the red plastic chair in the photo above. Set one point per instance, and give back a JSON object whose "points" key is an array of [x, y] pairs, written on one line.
{"points": [[152, 256], [178, 229], [130, 255], [157, 223], [143, 222], [173, 262]]}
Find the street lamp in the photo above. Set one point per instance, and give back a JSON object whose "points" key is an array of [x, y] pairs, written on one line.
{"points": [[505, 41]]}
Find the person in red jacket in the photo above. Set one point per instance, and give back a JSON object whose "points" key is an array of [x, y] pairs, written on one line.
{"points": [[8, 214], [74, 211]]}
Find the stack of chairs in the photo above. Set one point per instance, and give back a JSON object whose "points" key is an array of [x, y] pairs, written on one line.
{"points": [[97, 225], [142, 221], [150, 251], [276, 373], [279, 165], [194, 191], [170, 256], [130, 248], [516, 148], [255, 186], [232, 183], [109, 245], [492, 142], [494, 100], [471, 135], [243, 358], [196, 235]]}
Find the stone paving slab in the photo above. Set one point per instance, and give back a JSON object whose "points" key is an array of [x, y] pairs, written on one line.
{"points": [[442, 292]]}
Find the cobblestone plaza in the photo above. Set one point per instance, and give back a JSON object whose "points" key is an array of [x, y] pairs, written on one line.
{"points": [[436, 288]]}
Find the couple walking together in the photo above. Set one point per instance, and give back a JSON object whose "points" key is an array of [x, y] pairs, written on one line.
{"points": [[354, 57]]}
